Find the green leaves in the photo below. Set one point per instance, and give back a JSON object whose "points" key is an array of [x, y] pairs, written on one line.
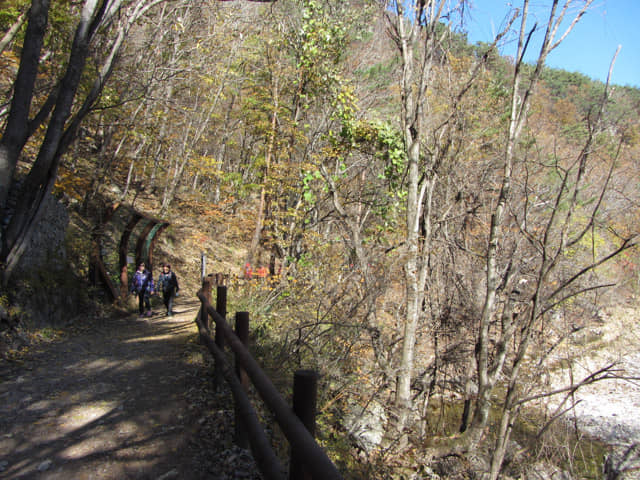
{"points": [[322, 40], [307, 182]]}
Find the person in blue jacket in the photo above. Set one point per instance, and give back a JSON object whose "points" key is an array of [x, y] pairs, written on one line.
{"points": [[142, 286]]}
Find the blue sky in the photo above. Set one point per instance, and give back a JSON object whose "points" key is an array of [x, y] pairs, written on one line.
{"points": [[591, 45]]}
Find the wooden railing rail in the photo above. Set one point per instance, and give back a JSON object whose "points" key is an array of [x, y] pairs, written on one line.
{"points": [[317, 463], [266, 460]]}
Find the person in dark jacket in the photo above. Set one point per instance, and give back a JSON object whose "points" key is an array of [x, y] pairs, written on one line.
{"points": [[168, 284], [142, 286]]}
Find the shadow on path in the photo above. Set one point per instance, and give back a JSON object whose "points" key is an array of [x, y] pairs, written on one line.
{"points": [[122, 400]]}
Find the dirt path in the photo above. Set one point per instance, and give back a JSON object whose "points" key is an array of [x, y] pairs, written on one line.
{"points": [[127, 399]]}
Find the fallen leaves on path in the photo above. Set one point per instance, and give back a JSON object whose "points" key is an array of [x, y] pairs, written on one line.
{"points": [[120, 398]]}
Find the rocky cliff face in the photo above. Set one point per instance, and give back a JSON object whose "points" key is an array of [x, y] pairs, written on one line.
{"points": [[47, 290], [46, 246]]}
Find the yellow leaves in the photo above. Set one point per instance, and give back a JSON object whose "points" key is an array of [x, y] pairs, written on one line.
{"points": [[459, 64], [206, 165], [208, 80], [73, 184], [208, 161]]}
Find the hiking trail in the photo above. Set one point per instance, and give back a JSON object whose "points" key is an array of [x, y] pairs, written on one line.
{"points": [[118, 398]]}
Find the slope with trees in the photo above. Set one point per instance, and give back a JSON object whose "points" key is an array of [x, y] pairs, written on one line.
{"points": [[437, 220]]}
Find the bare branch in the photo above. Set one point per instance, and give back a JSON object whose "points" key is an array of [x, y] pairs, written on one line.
{"points": [[604, 373]]}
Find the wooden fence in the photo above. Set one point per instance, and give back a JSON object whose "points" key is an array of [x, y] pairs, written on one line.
{"points": [[308, 460]]}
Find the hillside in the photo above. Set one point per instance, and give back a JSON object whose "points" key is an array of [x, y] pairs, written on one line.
{"points": [[435, 223]]}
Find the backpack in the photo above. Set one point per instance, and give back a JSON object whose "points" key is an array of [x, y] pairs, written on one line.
{"points": [[167, 281]]}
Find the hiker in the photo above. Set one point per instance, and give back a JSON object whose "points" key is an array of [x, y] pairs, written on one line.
{"points": [[262, 272], [168, 284], [142, 285], [248, 271]]}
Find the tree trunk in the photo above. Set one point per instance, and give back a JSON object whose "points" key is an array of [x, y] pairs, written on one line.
{"points": [[41, 177], [260, 216], [15, 134], [42, 174]]}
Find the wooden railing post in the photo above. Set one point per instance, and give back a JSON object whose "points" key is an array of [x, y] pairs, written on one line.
{"points": [[206, 290], [203, 265], [305, 391], [242, 331], [221, 308]]}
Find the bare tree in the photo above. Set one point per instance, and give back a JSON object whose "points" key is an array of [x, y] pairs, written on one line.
{"points": [[420, 30], [498, 278], [534, 226]]}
